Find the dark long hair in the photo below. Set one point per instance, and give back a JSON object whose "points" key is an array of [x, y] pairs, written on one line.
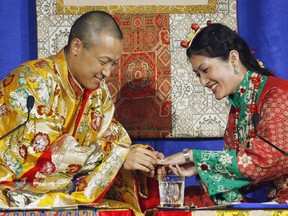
{"points": [[217, 40]]}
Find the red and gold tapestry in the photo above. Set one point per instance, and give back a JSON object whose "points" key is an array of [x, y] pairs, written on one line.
{"points": [[142, 85], [155, 91]]}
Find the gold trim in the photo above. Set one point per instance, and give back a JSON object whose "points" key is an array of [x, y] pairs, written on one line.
{"points": [[209, 8]]}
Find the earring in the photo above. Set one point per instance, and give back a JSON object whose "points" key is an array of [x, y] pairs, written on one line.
{"points": [[235, 70]]}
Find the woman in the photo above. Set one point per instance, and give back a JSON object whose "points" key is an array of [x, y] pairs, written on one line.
{"points": [[224, 64]]}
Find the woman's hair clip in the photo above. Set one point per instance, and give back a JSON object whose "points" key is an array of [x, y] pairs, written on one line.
{"points": [[190, 35], [260, 63]]}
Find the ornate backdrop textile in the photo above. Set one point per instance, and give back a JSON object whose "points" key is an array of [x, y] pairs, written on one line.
{"points": [[136, 6], [155, 91]]}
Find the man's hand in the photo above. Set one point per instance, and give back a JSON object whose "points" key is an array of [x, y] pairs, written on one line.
{"points": [[142, 159]]}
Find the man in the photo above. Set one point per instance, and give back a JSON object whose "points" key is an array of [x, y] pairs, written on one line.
{"points": [[71, 150]]}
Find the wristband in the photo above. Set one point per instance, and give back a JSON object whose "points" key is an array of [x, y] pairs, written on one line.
{"points": [[186, 155]]}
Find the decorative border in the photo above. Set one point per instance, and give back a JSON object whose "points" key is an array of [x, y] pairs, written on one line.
{"points": [[61, 8]]}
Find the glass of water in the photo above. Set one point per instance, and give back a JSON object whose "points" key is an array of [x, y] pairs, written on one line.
{"points": [[171, 188]]}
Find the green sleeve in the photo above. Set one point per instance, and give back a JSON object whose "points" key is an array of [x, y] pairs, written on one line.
{"points": [[219, 175]]}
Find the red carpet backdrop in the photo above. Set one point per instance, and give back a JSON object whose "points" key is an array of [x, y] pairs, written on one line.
{"points": [[155, 91]]}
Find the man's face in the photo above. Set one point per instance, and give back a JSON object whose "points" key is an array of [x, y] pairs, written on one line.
{"points": [[90, 66]]}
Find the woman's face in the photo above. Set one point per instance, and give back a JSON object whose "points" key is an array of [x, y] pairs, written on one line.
{"points": [[216, 74]]}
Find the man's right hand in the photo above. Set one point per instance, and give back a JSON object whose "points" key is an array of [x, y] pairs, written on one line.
{"points": [[142, 159]]}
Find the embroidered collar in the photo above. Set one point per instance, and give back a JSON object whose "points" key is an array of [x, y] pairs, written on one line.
{"points": [[244, 100], [76, 86], [236, 98]]}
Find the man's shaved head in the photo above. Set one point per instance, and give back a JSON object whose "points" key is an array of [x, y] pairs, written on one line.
{"points": [[88, 27]]}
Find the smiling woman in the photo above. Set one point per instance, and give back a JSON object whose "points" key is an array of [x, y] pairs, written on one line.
{"points": [[216, 75], [224, 63]]}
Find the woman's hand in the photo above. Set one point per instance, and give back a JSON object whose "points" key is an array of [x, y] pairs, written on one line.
{"points": [[186, 170], [177, 158]]}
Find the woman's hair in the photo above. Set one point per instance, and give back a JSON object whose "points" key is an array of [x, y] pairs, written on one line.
{"points": [[217, 40]]}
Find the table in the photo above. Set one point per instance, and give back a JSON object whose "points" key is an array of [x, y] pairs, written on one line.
{"points": [[241, 209], [248, 209], [69, 212], [256, 212]]}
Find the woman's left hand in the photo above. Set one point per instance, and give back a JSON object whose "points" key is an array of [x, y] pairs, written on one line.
{"points": [[186, 170], [177, 158]]}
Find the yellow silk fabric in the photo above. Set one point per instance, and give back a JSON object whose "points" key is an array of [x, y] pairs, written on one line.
{"points": [[97, 150]]}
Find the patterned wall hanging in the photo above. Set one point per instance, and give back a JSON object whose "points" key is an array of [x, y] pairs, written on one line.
{"points": [[155, 91], [136, 6]]}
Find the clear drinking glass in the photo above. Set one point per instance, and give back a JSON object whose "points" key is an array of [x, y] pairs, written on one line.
{"points": [[171, 188]]}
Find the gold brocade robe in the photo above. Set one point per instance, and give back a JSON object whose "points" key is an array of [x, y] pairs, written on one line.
{"points": [[71, 149]]}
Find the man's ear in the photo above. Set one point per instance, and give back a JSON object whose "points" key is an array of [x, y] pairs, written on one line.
{"points": [[76, 45], [234, 57]]}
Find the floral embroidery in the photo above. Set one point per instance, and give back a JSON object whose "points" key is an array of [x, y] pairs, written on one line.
{"points": [[73, 168], [96, 121], [23, 151], [244, 102], [42, 109], [13, 164], [22, 77], [256, 80], [41, 64], [32, 145], [44, 85], [82, 184], [8, 80], [3, 109], [84, 126], [242, 90], [33, 77], [107, 147], [79, 183], [47, 168], [251, 108], [219, 173], [41, 141], [109, 135], [204, 166], [57, 90], [245, 160], [39, 179], [226, 159], [62, 120], [20, 99]]}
